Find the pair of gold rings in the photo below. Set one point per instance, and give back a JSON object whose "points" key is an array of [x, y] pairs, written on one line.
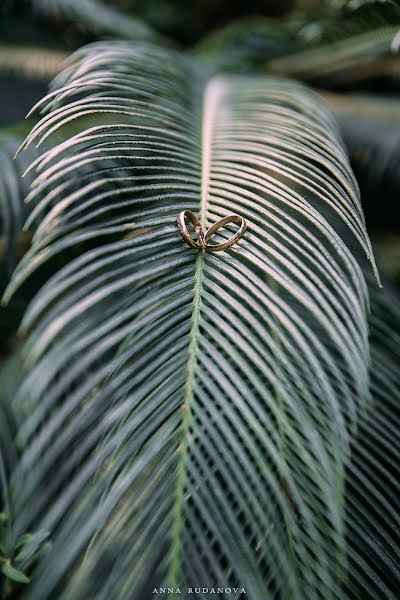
{"points": [[201, 241]]}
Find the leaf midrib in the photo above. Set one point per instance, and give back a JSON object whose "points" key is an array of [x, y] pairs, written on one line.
{"points": [[211, 97]]}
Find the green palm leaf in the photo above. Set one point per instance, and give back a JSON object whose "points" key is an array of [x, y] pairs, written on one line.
{"points": [[13, 210], [372, 491], [188, 415], [13, 241]]}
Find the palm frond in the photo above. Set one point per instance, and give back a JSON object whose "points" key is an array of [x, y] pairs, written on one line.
{"points": [[14, 242], [10, 378], [187, 415], [372, 492], [19, 553], [13, 211]]}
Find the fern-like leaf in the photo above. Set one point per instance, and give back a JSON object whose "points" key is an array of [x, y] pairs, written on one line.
{"points": [[373, 479], [188, 414]]}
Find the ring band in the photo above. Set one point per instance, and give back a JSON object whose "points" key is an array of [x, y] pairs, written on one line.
{"points": [[201, 241], [181, 221], [232, 240]]}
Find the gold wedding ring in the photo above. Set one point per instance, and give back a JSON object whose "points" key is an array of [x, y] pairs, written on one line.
{"points": [[181, 221], [232, 240], [202, 239]]}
